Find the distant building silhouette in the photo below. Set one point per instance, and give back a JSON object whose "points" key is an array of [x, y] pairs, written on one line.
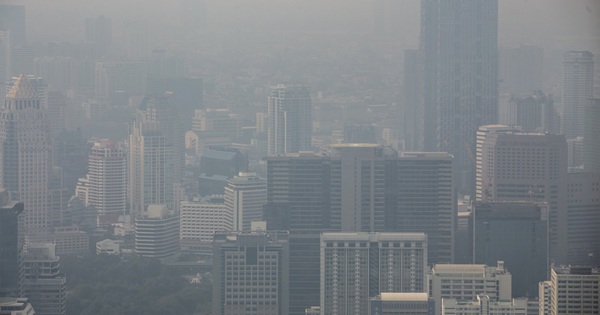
{"points": [[459, 59], [289, 119], [578, 88], [156, 156]]}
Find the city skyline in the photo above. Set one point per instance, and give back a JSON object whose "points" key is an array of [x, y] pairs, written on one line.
{"points": [[299, 157]]}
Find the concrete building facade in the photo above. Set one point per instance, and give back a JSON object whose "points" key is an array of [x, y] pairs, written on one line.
{"points": [[250, 273]]}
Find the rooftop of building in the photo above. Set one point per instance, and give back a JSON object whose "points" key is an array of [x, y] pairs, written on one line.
{"points": [[373, 236], [355, 145], [577, 270], [22, 89], [403, 296]]}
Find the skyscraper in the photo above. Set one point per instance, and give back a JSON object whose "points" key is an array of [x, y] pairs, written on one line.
{"points": [[25, 143], [245, 196], [426, 201], [298, 199], [459, 52], [106, 181], [289, 119], [155, 154], [357, 266], [358, 178], [250, 273], [578, 88]]}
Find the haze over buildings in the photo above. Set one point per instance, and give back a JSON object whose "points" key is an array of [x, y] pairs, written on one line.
{"points": [[307, 157]]}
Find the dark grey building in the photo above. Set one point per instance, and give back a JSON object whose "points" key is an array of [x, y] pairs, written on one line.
{"points": [[250, 273], [9, 244], [298, 200], [517, 233], [426, 201]]}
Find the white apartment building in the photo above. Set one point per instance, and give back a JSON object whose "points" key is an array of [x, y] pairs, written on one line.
{"points": [[201, 218], [245, 196], [105, 186], [466, 282], [571, 290]]}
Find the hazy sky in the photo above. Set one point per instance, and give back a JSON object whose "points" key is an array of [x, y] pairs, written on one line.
{"points": [[550, 23]]}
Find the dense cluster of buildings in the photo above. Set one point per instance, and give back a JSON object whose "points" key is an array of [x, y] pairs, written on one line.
{"points": [[489, 204]]}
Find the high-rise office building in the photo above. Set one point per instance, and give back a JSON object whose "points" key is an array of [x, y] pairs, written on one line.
{"points": [[9, 244], [516, 233], [245, 196], [41, 279], [25, 144], [298, 199], [156, 155], [459, 57], [591, 138], [250, 273], [571, 290], [357, 266], [289, 119], [358, 186], [426, 201], [578, 88], [466, 282], [106, 181], [517, 166]]}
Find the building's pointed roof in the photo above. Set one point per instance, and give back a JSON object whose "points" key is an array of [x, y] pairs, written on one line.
{"points": [[22, 89]]}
